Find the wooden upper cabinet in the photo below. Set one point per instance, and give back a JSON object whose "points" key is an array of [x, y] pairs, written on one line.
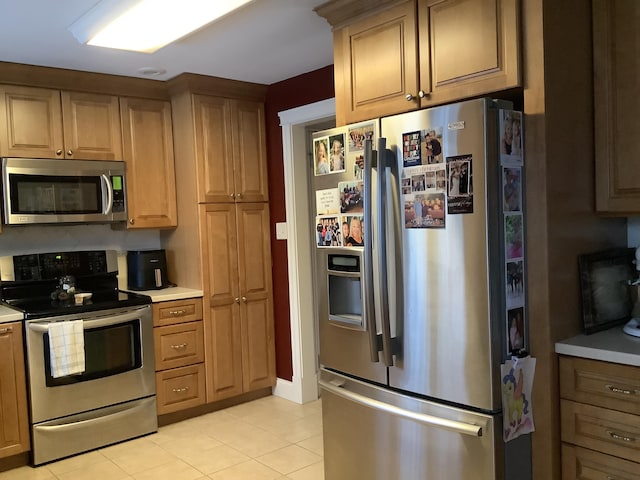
{"points": [[467, 48], [44, 123], [148, 153], [395, 56], [375, 65], [30, 122], [616, 48], [14, 434], [92, 129], [230, 148]]}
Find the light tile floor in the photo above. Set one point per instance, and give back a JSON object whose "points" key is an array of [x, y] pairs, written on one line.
{"points": [[266, 439]]}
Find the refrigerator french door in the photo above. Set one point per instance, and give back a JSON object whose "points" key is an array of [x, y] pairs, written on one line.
{"points": [[411, 342]]}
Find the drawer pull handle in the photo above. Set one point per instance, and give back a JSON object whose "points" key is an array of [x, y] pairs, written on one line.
{"points": [[623, 438], [623, 391], [175, 313], [179, 346], [5, 330], [180, 390]]}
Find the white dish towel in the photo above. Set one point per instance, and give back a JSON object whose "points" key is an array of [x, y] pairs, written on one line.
{"points": [[66, 345]]}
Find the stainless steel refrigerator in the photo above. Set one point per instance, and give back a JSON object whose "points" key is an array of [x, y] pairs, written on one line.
{"points": [[419, 275]]}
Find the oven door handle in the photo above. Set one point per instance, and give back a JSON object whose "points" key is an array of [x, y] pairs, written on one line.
{"points": [[95, 322]]}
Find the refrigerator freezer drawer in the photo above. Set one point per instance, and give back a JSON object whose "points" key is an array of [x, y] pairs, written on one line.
{"points": [[373, 433]]}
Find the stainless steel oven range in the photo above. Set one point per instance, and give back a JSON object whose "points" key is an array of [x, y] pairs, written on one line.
{"points": [[112, 396]]}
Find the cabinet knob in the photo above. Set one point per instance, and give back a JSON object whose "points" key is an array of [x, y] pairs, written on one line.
{"points": [[132, 221], [238, 195], [58, 152], [423, 94], [237, 300], [244, 299], [70, 153], [232, 195], [410, 97]]}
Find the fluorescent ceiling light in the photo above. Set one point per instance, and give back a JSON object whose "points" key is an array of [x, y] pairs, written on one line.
{"points": [[147, 25]]}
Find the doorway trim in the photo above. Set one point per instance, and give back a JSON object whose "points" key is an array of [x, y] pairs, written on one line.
{"points": [[304, 384]]}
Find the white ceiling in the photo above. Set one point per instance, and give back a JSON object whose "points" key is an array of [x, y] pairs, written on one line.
{"points": [[264, 42]]}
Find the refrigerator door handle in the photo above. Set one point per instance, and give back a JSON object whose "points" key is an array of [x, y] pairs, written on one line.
{"points": [[369, 305], [430, 420], [387, 349]]}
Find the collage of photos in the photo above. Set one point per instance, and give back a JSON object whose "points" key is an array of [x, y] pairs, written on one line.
{"points": [[511, 136], [460, 184], [512, 163], [424, 179], [339, 210], [340, 231], [423, 147]]}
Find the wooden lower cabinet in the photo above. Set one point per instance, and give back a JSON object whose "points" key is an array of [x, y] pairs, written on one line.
{"points": [[584, 464], [179, 354], [14, 434], [600, 420], [239, 330], [180, 388]]}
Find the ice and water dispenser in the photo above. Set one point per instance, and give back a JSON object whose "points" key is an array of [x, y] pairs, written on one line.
{"points": [[344, 284]]}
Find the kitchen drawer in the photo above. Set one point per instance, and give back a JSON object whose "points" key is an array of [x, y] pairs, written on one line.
{"points": [[180, 388], [177, 311], [178, 345], [582, 464], [603, 384], [607, 431]]}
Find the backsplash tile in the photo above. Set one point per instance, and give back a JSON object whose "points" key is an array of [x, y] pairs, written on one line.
{"points": [[43, 239]]}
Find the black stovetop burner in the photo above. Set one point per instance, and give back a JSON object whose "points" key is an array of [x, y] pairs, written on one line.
{"points": [[36, 278]]}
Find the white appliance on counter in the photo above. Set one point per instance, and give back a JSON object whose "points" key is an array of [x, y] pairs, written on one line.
{"points": [[420, 283]]}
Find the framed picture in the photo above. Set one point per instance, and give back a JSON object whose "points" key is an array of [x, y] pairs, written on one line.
{"points": [[607, 296]]}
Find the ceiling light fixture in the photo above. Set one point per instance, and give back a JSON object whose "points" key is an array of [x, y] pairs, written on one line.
{"points": [[147, 25]]}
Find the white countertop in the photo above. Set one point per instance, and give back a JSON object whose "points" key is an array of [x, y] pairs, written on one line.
{"points": [[171, 293], [8, 314], [612, 345]]}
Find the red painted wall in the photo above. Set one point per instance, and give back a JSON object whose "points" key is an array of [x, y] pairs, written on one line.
{"points": [[294, 92]]}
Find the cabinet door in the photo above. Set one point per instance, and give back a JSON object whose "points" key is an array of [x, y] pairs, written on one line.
{"points": [[375, 65], [30, 122], [250, 152], [223, 343], [214, 149], [91, 126], [467, 48], [584, 464], [254, 260], [617, 101], [148, 152], [14, 434]]}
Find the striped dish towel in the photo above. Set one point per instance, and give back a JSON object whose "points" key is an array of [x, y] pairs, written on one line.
{"points": [[66, 345]]}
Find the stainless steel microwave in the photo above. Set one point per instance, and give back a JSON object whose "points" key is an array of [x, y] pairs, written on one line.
{"points": [[38, 191]]}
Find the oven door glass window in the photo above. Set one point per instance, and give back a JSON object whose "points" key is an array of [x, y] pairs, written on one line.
{"points": [[109, 350]]}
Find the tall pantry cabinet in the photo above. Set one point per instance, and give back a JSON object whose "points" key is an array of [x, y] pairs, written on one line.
{"points": [[220, 148]]}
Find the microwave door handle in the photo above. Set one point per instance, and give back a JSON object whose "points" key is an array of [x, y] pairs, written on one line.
{"points": [[387, 351], [109, 196], [369, 306]]}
